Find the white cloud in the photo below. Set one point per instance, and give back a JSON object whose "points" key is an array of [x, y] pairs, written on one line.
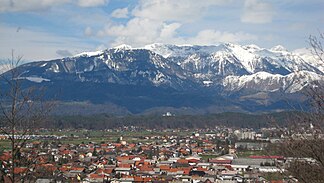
{"points": [[257, 12], [92, 3], [136, 32], [28, 5], [171, 10], [139, 32], [88, 31], [120, 13], [160, 21], [168, 31], [37, 45], [37, 5], [212, 37]]}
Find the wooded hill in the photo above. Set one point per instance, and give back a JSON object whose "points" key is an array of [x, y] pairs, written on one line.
{"points": [[104, 121]]}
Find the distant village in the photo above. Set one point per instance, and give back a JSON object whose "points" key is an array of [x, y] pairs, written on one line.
{"points": [[172, 155]]}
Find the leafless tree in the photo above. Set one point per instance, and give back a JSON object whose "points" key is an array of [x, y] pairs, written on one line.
{"points": [[305, 139], [22, 111]]}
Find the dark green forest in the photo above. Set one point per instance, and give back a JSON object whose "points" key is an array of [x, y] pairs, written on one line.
{"points": [[229, 119]]}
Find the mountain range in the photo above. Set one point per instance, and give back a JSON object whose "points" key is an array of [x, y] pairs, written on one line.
{"points": [[182, 79]]}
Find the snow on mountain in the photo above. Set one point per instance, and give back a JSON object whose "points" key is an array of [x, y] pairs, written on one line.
{"points": [[251, 57], [123, 47], [120, 65], [246, 56], [159, 48], [228, 65], [34, 79], [252, 47], [265, 82], [89, 54], [278, 48], [307, 55], [239, 67], [180, 75], [168, 50]]}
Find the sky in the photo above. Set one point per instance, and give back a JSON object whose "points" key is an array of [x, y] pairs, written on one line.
{"points": [[49, 29]]}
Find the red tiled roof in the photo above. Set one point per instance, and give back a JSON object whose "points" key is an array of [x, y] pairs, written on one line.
{"points": [[193, 160], [108, 170], [182, 161], [138, 179], [96, 176], [5, 156], [229, 167], [108, 150], [120, 158], [125, 165], [220, 161], [146, 168], [173, 170], [66, 152], [201, 169], [127, 176], [147, 179], [77, 168], [142, 179], [118, 145], [186, 171], [48, 167], [19, 170], [64, 169], [164, 167]]}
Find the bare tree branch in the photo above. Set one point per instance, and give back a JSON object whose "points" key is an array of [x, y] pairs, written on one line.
{"points": [[22, 109]]}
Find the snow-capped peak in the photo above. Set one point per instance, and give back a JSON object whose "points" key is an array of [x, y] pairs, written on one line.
{"points": [[123, 47], [278, 48], [162, 49], [252, 47], [154, 45]]}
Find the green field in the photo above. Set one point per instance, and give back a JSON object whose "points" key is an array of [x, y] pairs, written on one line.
{"points": [[245, 154], [99, 136]]}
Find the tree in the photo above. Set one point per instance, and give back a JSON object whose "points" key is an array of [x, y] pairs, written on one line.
{"points": [[94, 153], [22, 111], [305, 142]]}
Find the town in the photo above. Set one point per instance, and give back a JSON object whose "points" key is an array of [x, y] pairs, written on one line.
{"points": [[134, 154]]}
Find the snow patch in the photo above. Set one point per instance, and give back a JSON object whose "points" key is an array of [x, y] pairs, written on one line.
{"points": [[278, 48], [160, 78], [208, 83], [35, 79], [123, 47], [89, 54], [263, 81], [168, 50], [43, 65], [55, 68]]}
